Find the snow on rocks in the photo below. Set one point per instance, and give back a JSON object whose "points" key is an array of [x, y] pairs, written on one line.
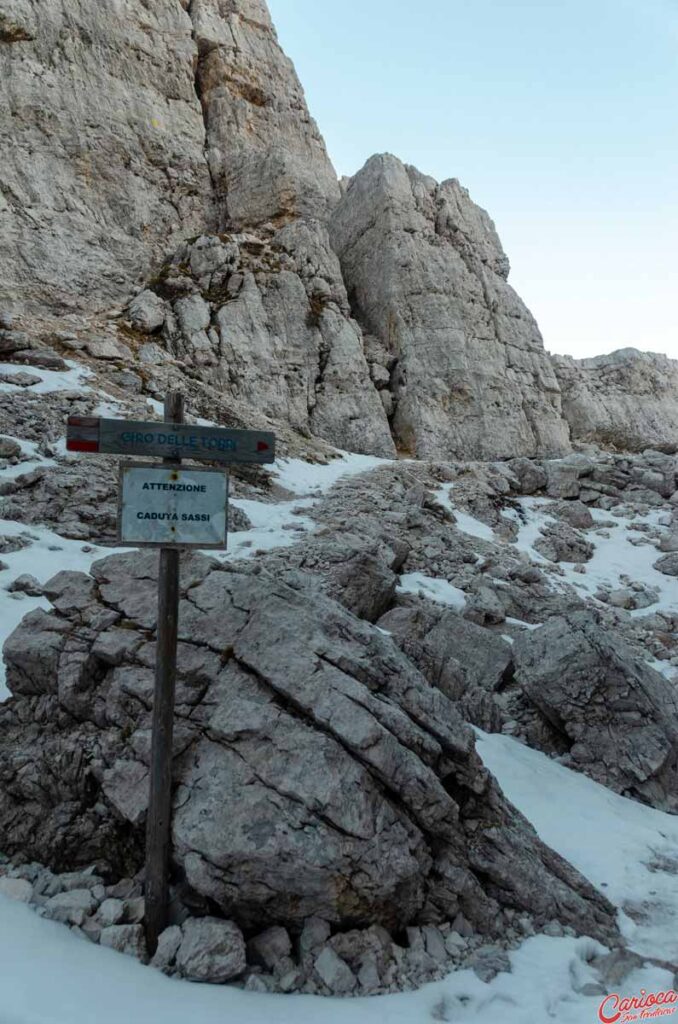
{"points": [[628, 850], [73, 377]]}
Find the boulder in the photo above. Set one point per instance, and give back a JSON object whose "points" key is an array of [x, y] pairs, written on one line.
{"points": [[25, 584], [147, 312], [211, 950], [562, 543], [530, 475], [562, 479], [71, 907], [125, 938], [574, 513], [107, 349], [317, 771], [19, 889], [269, 947], [9, 448], [617, 715], [668, 564], [169, 942], [468, 663], [335, 973]]}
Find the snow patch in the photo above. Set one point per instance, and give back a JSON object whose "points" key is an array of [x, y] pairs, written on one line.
{"points": [[306, 478], [276, 525], [626, 850], [436, 589], [73, 379]]}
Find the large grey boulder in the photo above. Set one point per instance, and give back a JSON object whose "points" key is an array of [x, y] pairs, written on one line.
{"points": [[560, 542], [317, 772], [618, 716], [468, 373]]}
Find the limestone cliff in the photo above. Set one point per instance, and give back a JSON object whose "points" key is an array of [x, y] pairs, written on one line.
{"points": [[128, 126], [165, 148], [462, 356], [626, 400], [102, 142], [267, 158]]}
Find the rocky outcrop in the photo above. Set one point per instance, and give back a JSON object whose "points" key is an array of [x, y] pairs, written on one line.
{"points": [[102, 139], [626, 400], [468, 663], [264, 317], [267, 158], [194, 121], [619, 717], [317, 772], [459, 355]]}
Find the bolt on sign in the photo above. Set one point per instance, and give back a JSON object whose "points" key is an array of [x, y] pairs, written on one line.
{"points": [[170, 506]]}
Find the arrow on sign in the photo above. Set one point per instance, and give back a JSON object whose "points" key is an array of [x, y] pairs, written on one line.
{"points": [[169, 440]]}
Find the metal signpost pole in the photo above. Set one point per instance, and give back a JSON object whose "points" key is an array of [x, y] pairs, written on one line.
{"points": [[160, 799]]}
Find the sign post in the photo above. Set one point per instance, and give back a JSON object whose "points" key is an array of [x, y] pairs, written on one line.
{"points": [[158, 820], [172, 508]]}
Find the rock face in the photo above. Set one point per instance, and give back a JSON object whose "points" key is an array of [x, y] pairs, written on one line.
{"points": [[265, 317], [627, 400], [194, 121], [267, 158], [619, 716], [317, 772], [466, 662], [459, 353], [102, 138]]}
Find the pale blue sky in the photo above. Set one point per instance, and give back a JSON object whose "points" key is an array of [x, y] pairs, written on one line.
{"points": [[559, 116]]}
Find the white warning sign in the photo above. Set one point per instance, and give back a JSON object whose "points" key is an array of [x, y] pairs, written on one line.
{"points": [[172, 506]]}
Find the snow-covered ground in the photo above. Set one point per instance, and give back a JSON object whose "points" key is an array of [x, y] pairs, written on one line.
{"points": [[49, 976], [74, 379], [627, 850], [312, 478]]}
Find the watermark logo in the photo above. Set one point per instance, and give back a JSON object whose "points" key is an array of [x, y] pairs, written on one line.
{"points": [[616, 1009]]}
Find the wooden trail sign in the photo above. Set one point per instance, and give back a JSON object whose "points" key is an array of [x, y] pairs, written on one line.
{"points": [[171, 440], [170, 506]]}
